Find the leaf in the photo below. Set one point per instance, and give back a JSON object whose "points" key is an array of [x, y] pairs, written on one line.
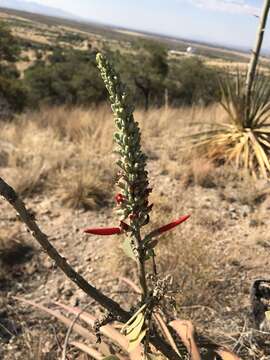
{"points": [[133, 317], [88, 350], [131, 284], [166, 332], [155, 357], [106, 330], [226, 354], [134, 330], [186, 332], [134, 344], [128, 249]]}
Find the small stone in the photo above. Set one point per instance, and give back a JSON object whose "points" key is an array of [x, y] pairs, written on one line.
{"points": [[254, 223]]}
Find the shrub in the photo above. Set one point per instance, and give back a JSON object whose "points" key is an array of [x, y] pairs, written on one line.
{"points": [[190, 81], [146, 70], [70, 78], [12, 92], [9, 48]]}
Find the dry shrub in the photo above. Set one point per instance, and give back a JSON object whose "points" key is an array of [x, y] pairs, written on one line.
{"points": [[77, 124], [189, 256], [62, 149], [86, 189], [190, 259], [37, 154], [199, 171], [250, 192], [13, 249]]}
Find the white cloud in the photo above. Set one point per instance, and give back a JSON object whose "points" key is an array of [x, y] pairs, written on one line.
{"points": [[231, 6]]}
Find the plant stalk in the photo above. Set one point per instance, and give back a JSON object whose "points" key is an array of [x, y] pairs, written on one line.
{"points": [[141, 265], [255, 55]]}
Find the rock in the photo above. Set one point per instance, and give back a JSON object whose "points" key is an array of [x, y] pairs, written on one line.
{"points": [[245, 210], [254, 223]]}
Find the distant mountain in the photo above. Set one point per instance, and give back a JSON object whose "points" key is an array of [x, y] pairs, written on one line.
{"points": [[36, 8]]}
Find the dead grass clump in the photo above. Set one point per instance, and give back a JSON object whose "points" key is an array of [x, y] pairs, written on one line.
{"points": [[13, 250], [190, 260], [86, 189], [55, 148], [256, 193], [200, 171], [30, 180], [36, 155], [210, 221], [76, 124]]}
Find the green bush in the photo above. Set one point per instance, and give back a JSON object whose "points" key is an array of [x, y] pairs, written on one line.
{"points": [[148, 73], [191, 81], [145, 70], [9, 47], [12, 93], [70, 78]]}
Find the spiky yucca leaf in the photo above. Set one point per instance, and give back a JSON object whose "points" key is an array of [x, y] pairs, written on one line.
{"points": [[245, 136]]}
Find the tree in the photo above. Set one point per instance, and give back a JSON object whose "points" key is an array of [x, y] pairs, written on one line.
{"points": [[191, 81], [12, 93], [9, 48], [58, 83], [148, 69]]}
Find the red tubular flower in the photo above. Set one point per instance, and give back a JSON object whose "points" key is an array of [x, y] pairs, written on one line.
{"points": [[104, 231], [172, 225], [119, 198]]}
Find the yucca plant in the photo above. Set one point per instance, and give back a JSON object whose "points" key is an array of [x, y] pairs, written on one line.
{"points": [[244, 137]]}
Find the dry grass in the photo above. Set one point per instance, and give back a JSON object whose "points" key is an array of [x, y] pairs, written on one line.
{"points": [[69, 151], [61, 150], [13, 251]]}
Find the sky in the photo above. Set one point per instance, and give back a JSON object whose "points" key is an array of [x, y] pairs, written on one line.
{"points": [[227, 22]]}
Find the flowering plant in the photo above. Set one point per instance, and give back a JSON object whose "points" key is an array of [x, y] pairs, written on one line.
{"points": [[133, 206]]}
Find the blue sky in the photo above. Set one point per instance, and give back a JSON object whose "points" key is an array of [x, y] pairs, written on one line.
{"points": [[228, 22]]}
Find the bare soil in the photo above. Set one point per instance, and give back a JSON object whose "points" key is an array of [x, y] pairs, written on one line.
{"points": [[234, 222]]}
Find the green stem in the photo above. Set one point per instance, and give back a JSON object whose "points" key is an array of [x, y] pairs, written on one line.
{"points": [[255, 55], [141, 264]]}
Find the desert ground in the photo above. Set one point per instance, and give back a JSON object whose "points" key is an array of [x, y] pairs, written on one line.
{"points": [[61, 162]]}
